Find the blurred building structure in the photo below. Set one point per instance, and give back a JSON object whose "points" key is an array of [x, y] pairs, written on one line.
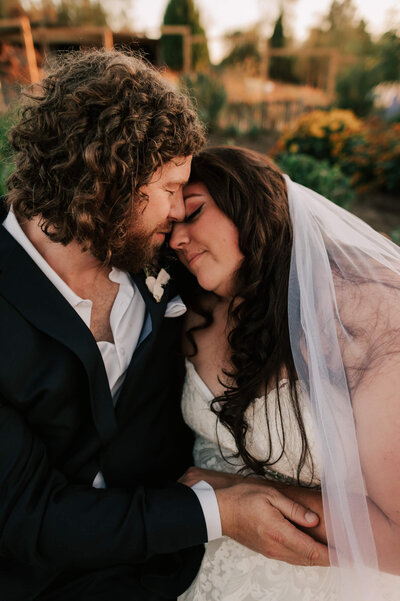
{"points": [[253, 100]]}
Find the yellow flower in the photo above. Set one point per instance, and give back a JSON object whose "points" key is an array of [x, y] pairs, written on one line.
{"points": [[335, 125], [316, 131], [294, 148]]}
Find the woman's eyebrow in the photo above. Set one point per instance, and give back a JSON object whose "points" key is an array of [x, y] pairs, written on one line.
{"points": [[192, 195]]}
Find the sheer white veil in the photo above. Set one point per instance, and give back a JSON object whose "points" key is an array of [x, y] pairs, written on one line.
{"points": [[343, 288]]}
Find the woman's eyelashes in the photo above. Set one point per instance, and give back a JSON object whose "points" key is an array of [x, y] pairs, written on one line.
{"points": [[192, 216]]}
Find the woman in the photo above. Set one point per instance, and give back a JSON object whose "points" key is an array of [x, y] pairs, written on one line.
{"points": [[293, 371]]}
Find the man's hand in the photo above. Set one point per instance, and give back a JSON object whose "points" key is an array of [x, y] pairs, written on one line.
{"points": [[258, 513], [259, 517]]}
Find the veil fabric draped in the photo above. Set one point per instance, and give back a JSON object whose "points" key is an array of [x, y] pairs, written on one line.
{"points": [[344, 308]]}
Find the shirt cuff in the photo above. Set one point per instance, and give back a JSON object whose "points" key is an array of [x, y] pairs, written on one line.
{"points": [[209, 504]]}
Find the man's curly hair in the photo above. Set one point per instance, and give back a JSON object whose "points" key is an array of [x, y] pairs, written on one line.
{"points": [[93, 132]]}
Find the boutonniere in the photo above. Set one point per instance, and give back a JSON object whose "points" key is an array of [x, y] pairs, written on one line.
{"points": [[156, 285]]}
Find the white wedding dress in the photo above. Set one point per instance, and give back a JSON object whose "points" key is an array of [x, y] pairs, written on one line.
{"points": [[230, 571]]}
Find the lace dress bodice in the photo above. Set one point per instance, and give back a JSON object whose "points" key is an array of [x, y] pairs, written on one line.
{"points": [[230, 571]]}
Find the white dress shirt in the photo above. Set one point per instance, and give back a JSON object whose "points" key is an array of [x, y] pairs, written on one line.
{"points": [[127, 318]]}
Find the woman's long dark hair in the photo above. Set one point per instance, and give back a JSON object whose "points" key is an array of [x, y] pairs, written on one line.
{"points": [[252, 192]]}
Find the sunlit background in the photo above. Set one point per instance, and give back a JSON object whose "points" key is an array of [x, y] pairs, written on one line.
{"points": [[315, 84], [223, 16]]}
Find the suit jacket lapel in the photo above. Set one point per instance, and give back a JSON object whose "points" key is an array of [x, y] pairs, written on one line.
{"points": [[25, 286], [156, 312]]}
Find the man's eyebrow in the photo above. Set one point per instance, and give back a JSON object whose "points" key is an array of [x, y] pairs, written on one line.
{"points": [[176, 182]]}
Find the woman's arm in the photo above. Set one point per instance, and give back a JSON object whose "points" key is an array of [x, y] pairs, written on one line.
{"points": [[371, 356]]}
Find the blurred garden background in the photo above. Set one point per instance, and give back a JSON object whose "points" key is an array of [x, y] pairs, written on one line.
{"points": [[323, 101]]}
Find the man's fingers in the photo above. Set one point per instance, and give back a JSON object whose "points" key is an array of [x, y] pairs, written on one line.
{"points": [[293, 511]]}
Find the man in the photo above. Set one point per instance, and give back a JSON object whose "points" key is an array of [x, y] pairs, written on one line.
{"points": [[91, 438]]}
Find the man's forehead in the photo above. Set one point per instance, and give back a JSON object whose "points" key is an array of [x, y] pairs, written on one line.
{"points": [[175, 171]]}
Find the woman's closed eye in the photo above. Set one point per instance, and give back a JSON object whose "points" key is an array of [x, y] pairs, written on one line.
{"points": [[192, 216]]}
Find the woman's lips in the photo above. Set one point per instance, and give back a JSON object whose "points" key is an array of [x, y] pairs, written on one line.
{"points": [[192, 258]]}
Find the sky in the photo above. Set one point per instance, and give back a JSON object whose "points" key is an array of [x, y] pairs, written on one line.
{"points": [[221, 16]]}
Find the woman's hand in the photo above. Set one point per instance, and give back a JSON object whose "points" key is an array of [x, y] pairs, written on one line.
{"points": [[215, 479]]}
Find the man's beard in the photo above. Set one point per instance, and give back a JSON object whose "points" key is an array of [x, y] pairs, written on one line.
{"points": [[139, 250]]}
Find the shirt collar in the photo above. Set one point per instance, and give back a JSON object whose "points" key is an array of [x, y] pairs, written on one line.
{"points": [[13, 227]]}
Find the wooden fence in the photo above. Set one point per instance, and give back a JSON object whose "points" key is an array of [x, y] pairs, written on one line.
{"points": [[272, 116]]}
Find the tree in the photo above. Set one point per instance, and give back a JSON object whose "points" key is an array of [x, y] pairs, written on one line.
{"points": [[81, 12], [388, 57], [183, 12], [281, 67], [340, 29], [243, 50], [10, 9], [65, 12]]}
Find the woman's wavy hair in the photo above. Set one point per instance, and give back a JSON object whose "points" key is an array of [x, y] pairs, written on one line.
{"points": [[250, 189], [91, 134]]}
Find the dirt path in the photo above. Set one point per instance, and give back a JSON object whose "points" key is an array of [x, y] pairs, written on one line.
{"points": [[380, 211]]}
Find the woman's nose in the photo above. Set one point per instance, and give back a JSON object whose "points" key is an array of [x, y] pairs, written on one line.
{"points": [[179, 236], [177, 209]]}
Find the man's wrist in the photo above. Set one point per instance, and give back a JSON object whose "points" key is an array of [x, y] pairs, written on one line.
{"points": [[209, 504]]}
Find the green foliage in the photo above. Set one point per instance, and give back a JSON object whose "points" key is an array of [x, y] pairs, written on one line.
{"points": [[388, 57], [80, 12], [210, 95], [183, 12], [281, 67], [339, 28], [6, 163], [354, 86], [354, 89], [66, 12], [368, 152], [10, 8], [395, 235], [241, 53], [320, 176]]}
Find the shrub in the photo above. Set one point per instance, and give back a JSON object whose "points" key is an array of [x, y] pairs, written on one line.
{"points": [[368, 152], [387, 162], [395, 235], [183, 12], [322, 134], [6, 161], [320, 176], [210, 95], [354, 89]]}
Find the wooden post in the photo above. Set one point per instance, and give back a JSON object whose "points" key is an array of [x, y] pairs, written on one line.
{"points": [[3, 107], [265, 60], [29, 49], [332, 73], [187, 52], [108, 40]]}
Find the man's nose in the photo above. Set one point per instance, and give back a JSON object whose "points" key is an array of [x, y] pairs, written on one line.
{"points": [[179, 236], [177, 210]]}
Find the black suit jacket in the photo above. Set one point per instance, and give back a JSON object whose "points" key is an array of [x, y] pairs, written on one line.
{"points": [[58, 429]]}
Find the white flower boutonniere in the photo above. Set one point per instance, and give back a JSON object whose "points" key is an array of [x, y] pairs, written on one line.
{"points": [[156, 285]]}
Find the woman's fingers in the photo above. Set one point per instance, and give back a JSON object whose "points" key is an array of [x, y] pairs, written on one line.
{"points": [[293, 511]]}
